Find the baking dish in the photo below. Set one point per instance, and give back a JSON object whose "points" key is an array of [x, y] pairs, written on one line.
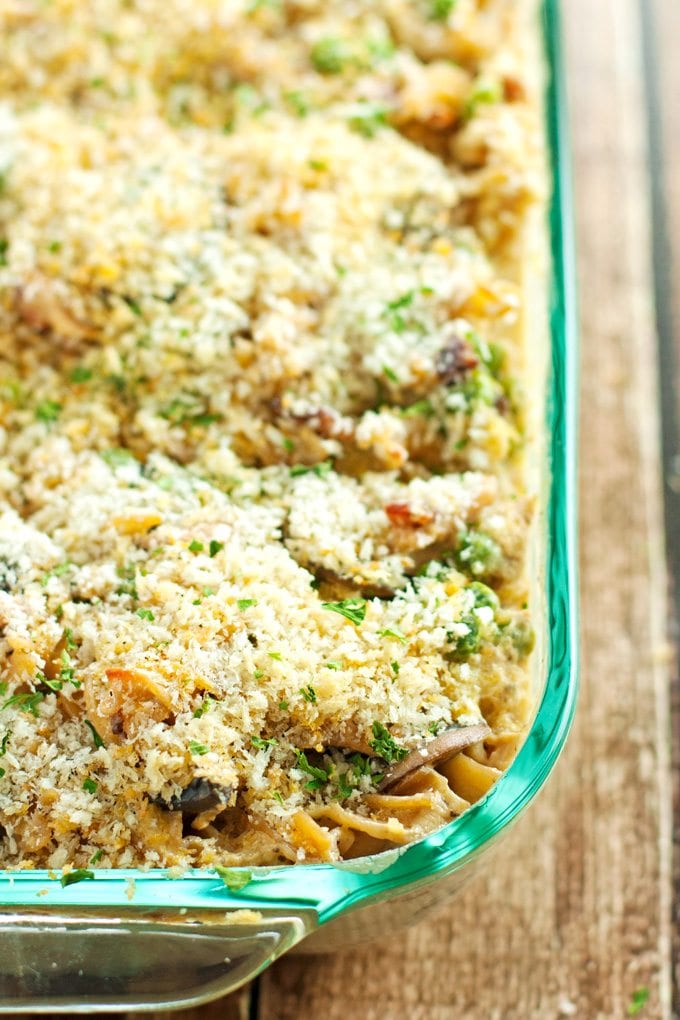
{"points": [[145, 940]]}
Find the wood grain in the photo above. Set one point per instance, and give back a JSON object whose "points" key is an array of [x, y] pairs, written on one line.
{"points": [[574, 913], [663, 31]]}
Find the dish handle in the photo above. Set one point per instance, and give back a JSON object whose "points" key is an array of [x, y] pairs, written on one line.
{"points": [[71, 962]]}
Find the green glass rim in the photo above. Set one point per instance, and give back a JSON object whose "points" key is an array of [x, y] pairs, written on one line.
{"points": [[329, 889]]}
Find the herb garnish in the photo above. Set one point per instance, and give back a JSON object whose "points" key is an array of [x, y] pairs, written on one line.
{"points": [[321, 470], [309, 694], [368, 119], [58, 571], [441, 9], [384, 744], [319, 776], [96, 739], [329, 55], [90, 785], [195, 747], [393, 632], [26, 702], [80, 374], [245, 603], [352, 609], [117, 457], [263, 742], [47, 411], [215, 547], [77, 875], [146, 614], [205, 706]]}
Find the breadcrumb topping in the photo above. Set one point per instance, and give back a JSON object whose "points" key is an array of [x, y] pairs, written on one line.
{"points": [[263, 505]]}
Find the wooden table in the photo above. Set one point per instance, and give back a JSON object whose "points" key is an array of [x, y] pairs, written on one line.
{"points": [[582, 917]]}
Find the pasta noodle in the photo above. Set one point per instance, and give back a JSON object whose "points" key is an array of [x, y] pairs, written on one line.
{"points": [[263, 424]]}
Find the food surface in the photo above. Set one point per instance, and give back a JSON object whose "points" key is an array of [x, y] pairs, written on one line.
{"points": [[263, 431]]}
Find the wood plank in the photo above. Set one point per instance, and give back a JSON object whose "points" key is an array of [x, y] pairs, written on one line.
{"points": [[574, 915], [664, 30]]}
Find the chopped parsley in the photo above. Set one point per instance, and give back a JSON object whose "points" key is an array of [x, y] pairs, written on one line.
{"points": [[384, 744], [333, 664], [205, 706], [146, 614], [395, 667], [484, 91], [283, 705], [52, 684], [215, 547], [441, 9], [77, 875], [352, 609], [80, 374], [368, 119], [258, 674], [421, 407], [195, 747], [319, 776], [392, 632], [405, 301], [26, 702], [117, 457], [195, 546], [263, 742], [321, 470], [186, 409], [127, 575], [47, 411], [329, 55], [90, 785], [4, 743], [309, 694], [246, 603], [133, 305], [234, 878], [298, 101], [58, 571], [96, 739]]}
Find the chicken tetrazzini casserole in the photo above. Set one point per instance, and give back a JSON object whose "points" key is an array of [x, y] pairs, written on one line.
{"points": [[263, 498]]}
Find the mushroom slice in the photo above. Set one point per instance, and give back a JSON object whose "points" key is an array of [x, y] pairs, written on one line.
{"points": [[445, 746], [199, 796]]}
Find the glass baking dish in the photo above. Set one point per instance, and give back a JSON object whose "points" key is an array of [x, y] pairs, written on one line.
{"points": [[144, 940]]}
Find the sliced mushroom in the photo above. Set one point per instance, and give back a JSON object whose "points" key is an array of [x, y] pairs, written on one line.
{"points": [[445, 746], [199, 796]]}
